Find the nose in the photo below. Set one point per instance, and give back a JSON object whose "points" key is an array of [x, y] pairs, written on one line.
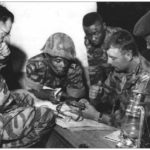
{"points": [[109, 60], [94, 37], [62, 64]]}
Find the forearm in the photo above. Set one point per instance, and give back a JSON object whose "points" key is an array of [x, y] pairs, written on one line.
{"points": [[76, 93]]}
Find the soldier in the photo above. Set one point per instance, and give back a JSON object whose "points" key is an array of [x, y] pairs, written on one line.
{"points": [[130, 69], [97, 35], [55, 74], [22, 124]]}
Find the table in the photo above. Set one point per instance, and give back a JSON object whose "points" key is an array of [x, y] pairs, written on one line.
{"points": [[65, 138]]}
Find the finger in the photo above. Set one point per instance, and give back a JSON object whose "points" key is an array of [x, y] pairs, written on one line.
{"points": [[94, 90], [83, 100], [93, 94], [6, 51]]}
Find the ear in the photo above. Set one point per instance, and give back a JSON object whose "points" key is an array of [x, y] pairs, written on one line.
{"points": [[129, 55]]}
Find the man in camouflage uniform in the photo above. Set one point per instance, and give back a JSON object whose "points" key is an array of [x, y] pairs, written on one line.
{"points": [[22, 124], [97, 36], [55, 74], [128, 78]]}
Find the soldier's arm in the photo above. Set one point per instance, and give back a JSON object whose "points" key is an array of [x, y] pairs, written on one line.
{"points": [[5, 98], [106, 88], [35, 69], [75, 82], [34, 80]]}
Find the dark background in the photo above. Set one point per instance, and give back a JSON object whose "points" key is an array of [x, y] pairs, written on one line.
{"points": [[122, 14]]}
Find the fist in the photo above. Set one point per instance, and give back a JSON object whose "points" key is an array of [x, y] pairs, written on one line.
{"points": [[90, 112], [94, 90], [4, 51]]}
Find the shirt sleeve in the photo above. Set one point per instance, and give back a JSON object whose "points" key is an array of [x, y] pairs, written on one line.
{"points": [[35, 72], [143, 86], [75, 81], [5, 99]]}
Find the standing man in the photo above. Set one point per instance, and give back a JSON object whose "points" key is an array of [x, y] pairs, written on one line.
{"points": [[96, 38], [22, 123], [55, 74]]}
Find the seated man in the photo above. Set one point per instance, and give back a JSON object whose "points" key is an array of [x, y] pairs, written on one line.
{"points": [[22, 124], [55, 74], [129, 68]]}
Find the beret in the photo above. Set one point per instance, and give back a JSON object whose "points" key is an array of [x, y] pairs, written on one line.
{"points": [[142, 27]]}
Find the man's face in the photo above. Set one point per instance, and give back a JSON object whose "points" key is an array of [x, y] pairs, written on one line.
{"points": [[118, 60], [147, 39], [5, 28], [59, 65], [95, 33]]}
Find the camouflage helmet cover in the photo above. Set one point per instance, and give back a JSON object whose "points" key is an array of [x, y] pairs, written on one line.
{"points": [[60, 45]]}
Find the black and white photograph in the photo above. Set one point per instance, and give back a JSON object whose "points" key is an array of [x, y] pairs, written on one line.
{"points": [[74, 74]]}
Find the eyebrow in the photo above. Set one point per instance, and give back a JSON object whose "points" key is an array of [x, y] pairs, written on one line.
{"points": [[111, 56]]}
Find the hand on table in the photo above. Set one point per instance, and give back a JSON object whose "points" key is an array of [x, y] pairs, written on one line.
{"points": [[89, 112]]}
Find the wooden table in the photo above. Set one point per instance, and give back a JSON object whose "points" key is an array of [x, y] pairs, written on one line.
{"points": [[64, 138]]}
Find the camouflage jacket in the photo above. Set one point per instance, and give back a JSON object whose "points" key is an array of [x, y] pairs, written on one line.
{"points": [[97, 57], [118, 88], [39, 71]]}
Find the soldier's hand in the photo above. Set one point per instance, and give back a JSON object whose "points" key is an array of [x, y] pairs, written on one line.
{"points": [[106, 119], [94, 90], [92, 70], [90, 112], [4, 50], [117, 118]]}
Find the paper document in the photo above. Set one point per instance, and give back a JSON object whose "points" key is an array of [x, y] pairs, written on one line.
{"points": [[85, 124], [114, 136]]}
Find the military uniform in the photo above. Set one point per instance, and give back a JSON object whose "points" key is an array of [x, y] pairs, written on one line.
{"points": [[39, 70], [118, 89], [97, 58], [39, 67], [21, 123]]}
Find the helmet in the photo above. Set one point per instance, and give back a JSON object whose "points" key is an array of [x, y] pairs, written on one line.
{"points": [[61, 45]]}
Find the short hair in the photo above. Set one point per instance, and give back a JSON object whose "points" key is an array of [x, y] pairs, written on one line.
{"points": [[90, 18], [5, 14], [123, 40]]}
